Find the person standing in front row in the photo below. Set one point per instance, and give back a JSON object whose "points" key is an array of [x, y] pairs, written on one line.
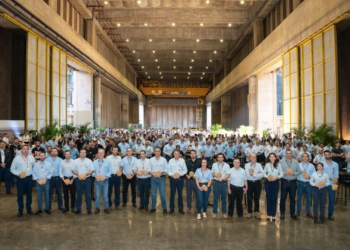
{"points": [[68, 182], [115, 179], [236, 185], [220, 172], [159, 167], [291, 171], [83, 168], [129, 177], [254, 173], [42, 172], [5, 164], [142, 171], [272, 172], [304, 187], [176, 170], [203, 178], [331, 168], [22, 167], [102, 172], [319, 181], [192, 165]]}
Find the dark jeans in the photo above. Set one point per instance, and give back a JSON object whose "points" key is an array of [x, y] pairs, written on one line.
{"points": [[288, 187], [229, 162], [191, 187], [6, 173], [83, 186], [144, 185], [69, 189], [253, 193], [114, 181], [236, 196], [260, 158], [55, 183], [92, 188], [126, 183], [319, 196], [210, 162], [271, 188], [331, 196], [25, 184], [202, 198], [176, 185], [167, 157]]}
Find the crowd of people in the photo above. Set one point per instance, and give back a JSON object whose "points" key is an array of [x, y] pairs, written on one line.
{"points": [[98, 164]]}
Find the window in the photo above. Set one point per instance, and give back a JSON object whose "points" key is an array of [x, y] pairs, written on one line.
{"points": [[279, 93]]}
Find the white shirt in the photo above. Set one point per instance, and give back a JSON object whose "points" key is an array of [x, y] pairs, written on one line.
{"points": [[116, 162], [83, 166], [258, 171], [177, 166], [223, 168], [271, 170], [237, 177], [22, 164], [142, 165]]}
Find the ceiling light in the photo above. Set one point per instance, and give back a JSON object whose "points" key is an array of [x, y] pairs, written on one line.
{"points": [[158, 67], [174, 60], [192, 60], [201, 24], [210, 60], [221, 40], [174, 67], [127, 40], [156, 60], [188, 77], [146, 73], [150, 40], [149, 77], [207, 1], [133, 51], [230, 24], [154, 51], [139, 2], [138, 60], [160, 73], [189, 73], [190, 67], [194, 51], [174, 77], [161, 77], [197, 40], [201, 77], [106, 2], [173, 24], [203, 73], [174, 40], [242, 2], [174, 51], [143, 66], [206, 67], [145, 24], [118, 24], [214, 51]]}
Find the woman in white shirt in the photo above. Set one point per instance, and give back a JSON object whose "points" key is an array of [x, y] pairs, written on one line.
{"points": [[319, 181], [203, 178], [272, 172]]}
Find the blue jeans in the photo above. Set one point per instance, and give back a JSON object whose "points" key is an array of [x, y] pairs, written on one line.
{"points": [[27, 185], [304, 188], [55, 183], [331, 196], [271, 188], [5, 172], [176, 185], [160, 184], [114, 181], [83, 186], [202, 199], [144, 185], [46, 189], [220, 191], [190, 187], [319, 196], [101, 186]]}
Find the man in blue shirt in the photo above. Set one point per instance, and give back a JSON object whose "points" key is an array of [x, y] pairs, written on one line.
{"points": [[129, 177], [230, 153], [42, 173], [55, 182], [331, 168], [73, 151], [123, 147], [168, 150], [209, 153], [102, 173]]}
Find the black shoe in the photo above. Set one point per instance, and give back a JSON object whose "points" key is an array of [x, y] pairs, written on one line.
{"points": [[294, 217], [310, 216], [316, 221], [330, 217], [77, 212], [61, 209], [171, 211], [134, 205], [89, 213], [93, 199], [321, 221], [106, 211], [152, 211], [73, 210], [47, 211], [141, 208], [8, 192], [38, 212], [297, 214], [282, 216], [65, 210], [30, 212], [165, 211], [181, 211], [20, 213], [146, 208], [123, 205]]}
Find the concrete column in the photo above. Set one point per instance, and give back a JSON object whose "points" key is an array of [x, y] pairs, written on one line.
{"points": [[124, 116], [252, 102], [216, 112], [226, 68], [53, 5], [214, 81], [225, 111], [97, 101], [208, 116], [134, 111], [91, 32], [266, 93], [296, 3], [258, 32]]}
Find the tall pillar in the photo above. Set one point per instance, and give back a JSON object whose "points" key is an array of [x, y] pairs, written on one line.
{"points": [[97, 101], [208, 116], [258, 32], [134, 111], [253, 102], [124, 117], [225, 111], [53, 5], [91, 32], [266, 93]]}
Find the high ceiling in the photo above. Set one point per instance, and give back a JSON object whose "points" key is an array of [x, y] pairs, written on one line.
{"points": [[175, 39]]}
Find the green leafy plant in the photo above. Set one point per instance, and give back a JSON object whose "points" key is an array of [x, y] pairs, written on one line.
{"points": [[245, 130], [65, 129], [215, 129], [324, 134], [131, 129], [84, 128], [266, 132], [49, 131], [101, 129], [299, 131]]}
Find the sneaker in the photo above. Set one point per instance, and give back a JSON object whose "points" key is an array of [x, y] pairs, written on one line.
{"points": [[214, 216], [249, 216], [225, 216], [204, 215], [198, 216]]}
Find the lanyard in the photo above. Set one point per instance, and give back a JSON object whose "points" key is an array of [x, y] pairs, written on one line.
{"points": [[129, 161], [252, 167], [319, 175], [221, 166], [99, 165], [25, 160], [304, 166], [289, 163], [271, 168]]}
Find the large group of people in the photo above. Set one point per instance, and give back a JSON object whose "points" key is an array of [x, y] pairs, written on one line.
{"points": [[95, 163]]}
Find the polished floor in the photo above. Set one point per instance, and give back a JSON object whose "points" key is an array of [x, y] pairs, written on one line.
{"points": [[131, 229]]}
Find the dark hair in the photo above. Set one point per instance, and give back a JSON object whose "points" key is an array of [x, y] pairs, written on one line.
{"points": [[193, 151], [275, 164], [142, 151], [320, 163], [236, 159], [327, 151], [67, 151], [204, 159], [220, 154]]}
